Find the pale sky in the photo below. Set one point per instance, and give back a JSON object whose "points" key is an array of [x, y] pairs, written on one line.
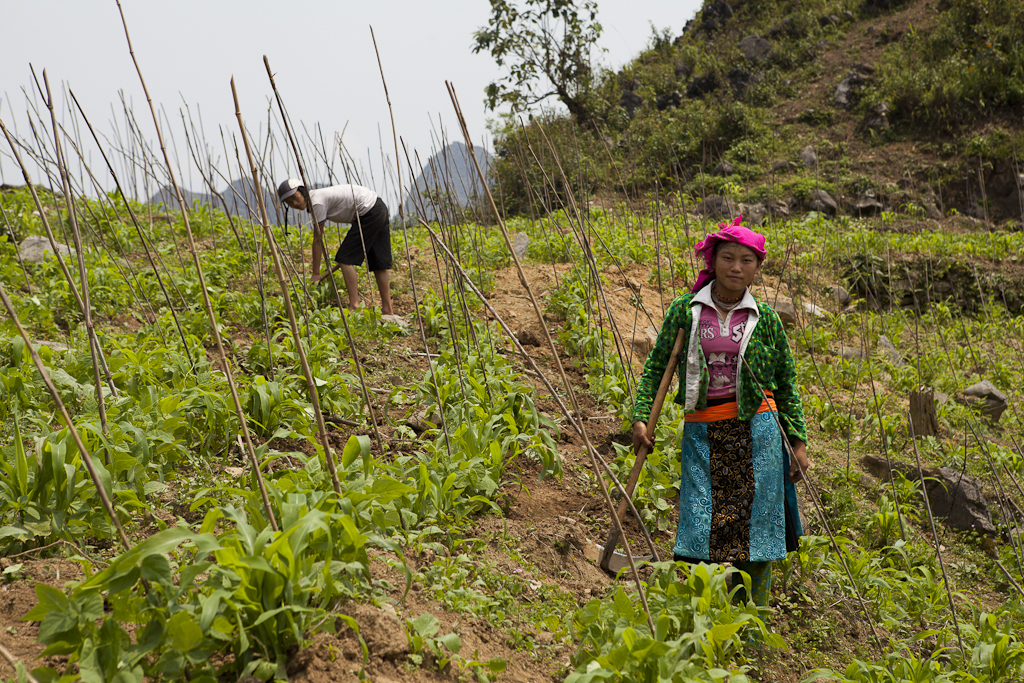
{"points": [[321, 53]]}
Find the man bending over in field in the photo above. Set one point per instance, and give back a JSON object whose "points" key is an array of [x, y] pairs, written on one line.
{"points": [[369, 236]]}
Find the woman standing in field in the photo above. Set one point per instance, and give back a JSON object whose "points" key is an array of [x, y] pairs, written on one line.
{"points": [[737, 502]]}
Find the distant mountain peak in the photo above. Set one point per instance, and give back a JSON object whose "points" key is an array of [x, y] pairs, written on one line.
{"points": [[448, 176]]}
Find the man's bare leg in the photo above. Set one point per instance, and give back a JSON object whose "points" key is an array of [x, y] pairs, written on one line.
{"points": [[351, 284], [383, 278]]}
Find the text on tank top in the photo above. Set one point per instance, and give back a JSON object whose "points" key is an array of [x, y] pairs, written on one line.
{"points": [[721, 346]]}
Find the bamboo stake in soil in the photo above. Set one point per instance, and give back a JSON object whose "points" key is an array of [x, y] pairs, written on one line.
{"points": [[330, 271], [225, 362], [314, 397], [17, 252], [138, 229], [820, 509], [408, 256], [576, 424], [13, 661], [554, 352], [42, 217], [935, 538], [641, 455], [94, 349], [55, 395]]}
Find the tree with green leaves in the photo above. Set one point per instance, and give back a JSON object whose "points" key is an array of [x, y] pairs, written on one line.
{"points": [[544, 47]]}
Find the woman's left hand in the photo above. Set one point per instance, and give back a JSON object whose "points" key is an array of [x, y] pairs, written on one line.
{"points": [[799, 463]]}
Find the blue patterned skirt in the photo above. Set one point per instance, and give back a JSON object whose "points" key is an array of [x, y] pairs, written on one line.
{"points": [[732, 491]]}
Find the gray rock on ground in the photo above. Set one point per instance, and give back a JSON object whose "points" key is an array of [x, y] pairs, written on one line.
{"points": [[852, 353], [715, 206], [987, 399], [422, 421], [809, 157], [956, 498], [877, 117], [36, 249], [822, 202], [755, 48], [753, 214], [59, 347], [403, 325], [787, 312], [672, 99], [846, 90], [813, 310], [783, 207], [724, 168], [630, 101], [520, 245], [932, 211], [890, 352], [643, 343], [867, 204], [841, 296]]}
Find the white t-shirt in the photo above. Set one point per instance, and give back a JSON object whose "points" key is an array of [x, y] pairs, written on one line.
{"points": [[341, 203]]}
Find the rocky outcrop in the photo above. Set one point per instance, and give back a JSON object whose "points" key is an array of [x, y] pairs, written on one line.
{"points": [[630, 101]]}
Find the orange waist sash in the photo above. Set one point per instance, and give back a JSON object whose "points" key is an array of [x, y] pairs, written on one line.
{"points": [[725, 411]]}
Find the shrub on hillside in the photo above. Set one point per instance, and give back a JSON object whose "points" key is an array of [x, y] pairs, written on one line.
{"points": [[969, 64]]}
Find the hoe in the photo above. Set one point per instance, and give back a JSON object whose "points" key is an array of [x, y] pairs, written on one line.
{"points": [[612, 561]]}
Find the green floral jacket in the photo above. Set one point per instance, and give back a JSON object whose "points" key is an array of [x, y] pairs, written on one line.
{"points": [[767, 355]]}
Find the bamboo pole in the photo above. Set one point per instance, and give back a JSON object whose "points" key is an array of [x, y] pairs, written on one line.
{"points": [[330, 273], [820, 509], [17, 251], [408, 256], [140, 296], [935, 538], [42, 216], [554, 352], [286, 296], [588, 253], [55, 395], [243, 246], [13, 661], [240, 414], [573, 421], [138, 230], [94, 347], [1002, 497]]}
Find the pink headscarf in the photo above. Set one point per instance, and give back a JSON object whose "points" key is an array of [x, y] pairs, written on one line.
{"points": [[733, 232]]}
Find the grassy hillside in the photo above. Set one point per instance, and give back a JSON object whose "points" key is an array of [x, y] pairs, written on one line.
{"points": [[928, 119]]}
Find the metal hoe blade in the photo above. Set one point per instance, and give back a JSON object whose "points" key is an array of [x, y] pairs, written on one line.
{"points": [[616, 562]]}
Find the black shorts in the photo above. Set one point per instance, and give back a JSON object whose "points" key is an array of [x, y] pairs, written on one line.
{"points": [[376, 239]]}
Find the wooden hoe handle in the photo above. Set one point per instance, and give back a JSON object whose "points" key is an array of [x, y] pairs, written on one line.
{"points": [[641, 455]]}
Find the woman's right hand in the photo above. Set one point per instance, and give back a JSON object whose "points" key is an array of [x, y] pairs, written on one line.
{"points": [[640, 437]]}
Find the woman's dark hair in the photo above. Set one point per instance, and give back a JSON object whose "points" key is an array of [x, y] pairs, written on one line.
{"points": [[305, 195]]}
